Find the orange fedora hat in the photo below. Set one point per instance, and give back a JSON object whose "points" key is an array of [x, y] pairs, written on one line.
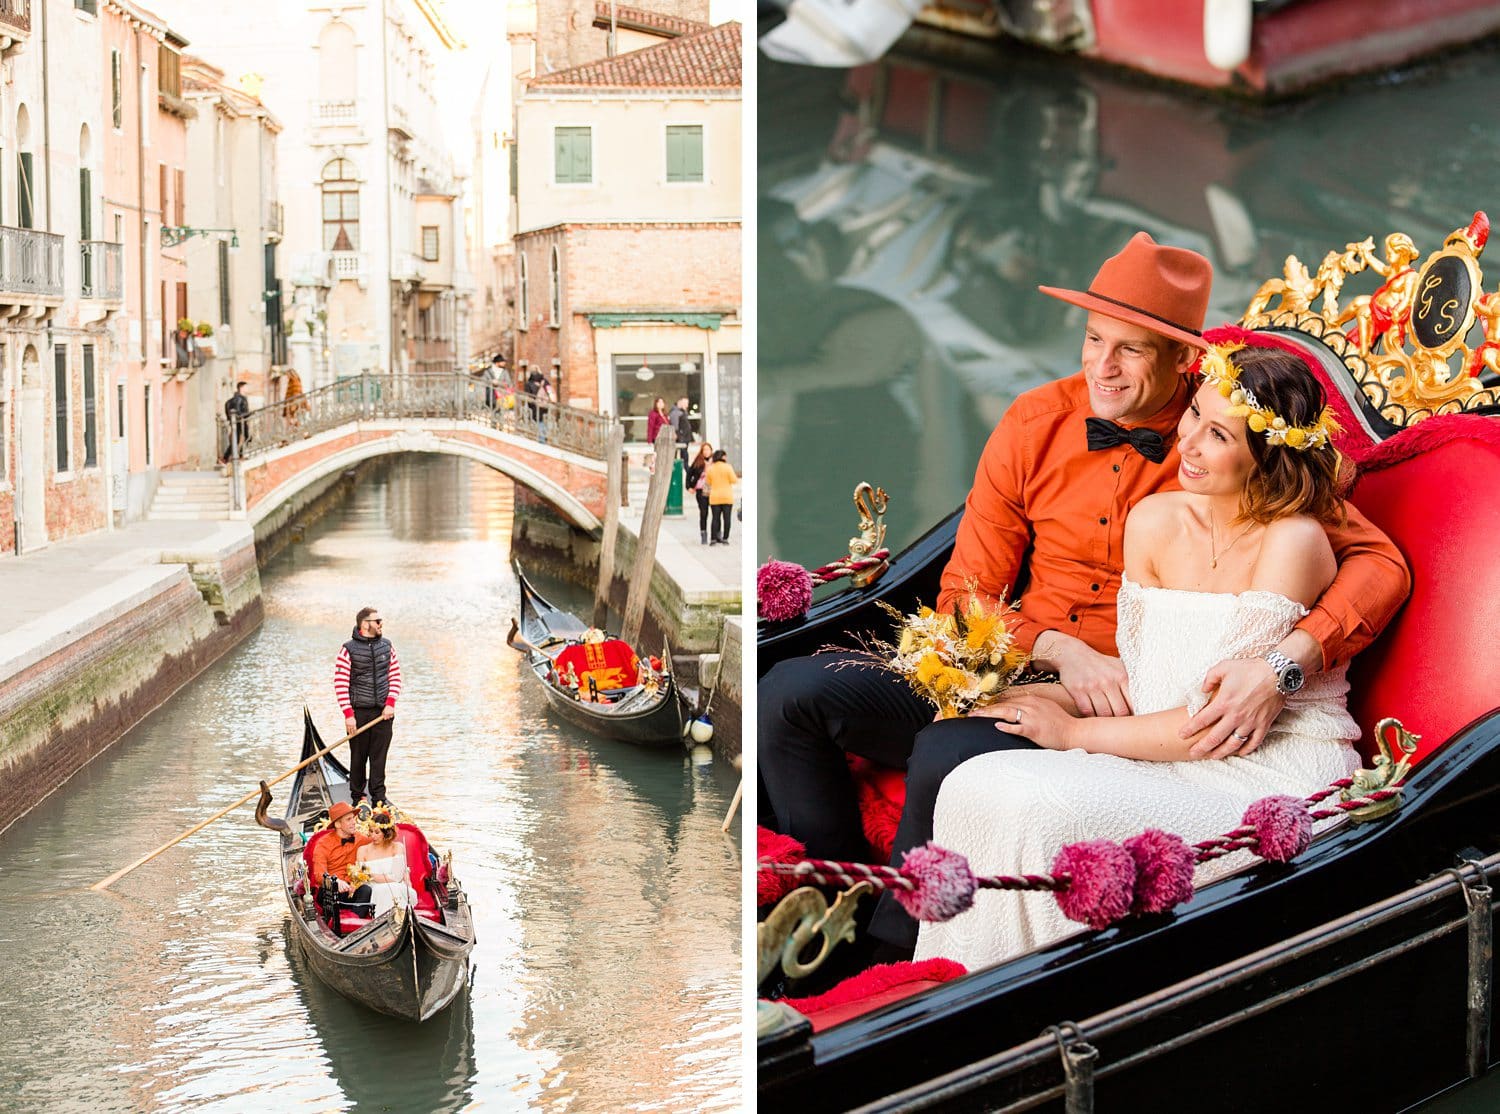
{"points": [[1160, 288]]}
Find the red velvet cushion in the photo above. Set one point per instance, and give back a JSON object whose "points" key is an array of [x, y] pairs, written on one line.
{"points": [[1432, 668], [612, 663], [418, 866], [870, 989]]}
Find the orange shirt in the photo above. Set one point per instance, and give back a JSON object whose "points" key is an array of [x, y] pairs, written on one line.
{"points": [[719, 478], [1042, 501], [332, 855]]}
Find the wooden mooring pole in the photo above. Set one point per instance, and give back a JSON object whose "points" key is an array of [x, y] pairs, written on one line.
{"points": [[613, 448], [645, 552]]}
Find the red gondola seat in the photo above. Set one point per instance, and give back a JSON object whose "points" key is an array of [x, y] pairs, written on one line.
{"points": [[611, 664], [418, 864]]}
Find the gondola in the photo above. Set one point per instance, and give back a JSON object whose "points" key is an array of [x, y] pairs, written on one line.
{"points": [[406, 963], [1357, 975], [636, 704]]}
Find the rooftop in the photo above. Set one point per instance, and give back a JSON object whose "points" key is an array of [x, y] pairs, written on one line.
{"points": [[706, 59], [640, 19]]}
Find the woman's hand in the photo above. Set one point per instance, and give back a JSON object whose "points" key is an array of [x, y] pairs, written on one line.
{"points": [[1035, 717]]}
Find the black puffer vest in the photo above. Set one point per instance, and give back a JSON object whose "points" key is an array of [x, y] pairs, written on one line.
{"points": [[369, 670]]}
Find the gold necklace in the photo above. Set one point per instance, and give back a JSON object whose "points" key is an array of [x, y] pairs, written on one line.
{"points": [[1213, 557]]}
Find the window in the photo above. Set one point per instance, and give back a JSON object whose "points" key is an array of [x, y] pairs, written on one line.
{"points": [[574, 164], [161, 195], [179, 197], [430, 243], [60, 399], [223, 283], [168, 72], [90, 411], [684, 152], [25, 206], [554, 290], [147, 427], [90, 6], [86, 228], [116, 93], [523, 314], [121, 412], [340, 207]]}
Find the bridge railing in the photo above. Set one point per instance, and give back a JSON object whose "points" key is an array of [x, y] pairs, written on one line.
{"points": [[449, 395]]}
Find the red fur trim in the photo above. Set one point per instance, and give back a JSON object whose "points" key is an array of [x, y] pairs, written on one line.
{"points": [[778, 848], [877, 980], [1429, 434], [881, 794]]}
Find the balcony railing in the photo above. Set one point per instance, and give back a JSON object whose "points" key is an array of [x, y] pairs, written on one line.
{"points": [[348, 264], [15, 15], [103, 270], [31, 262], [335, 112]]}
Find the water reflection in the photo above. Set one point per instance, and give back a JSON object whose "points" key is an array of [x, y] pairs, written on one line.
{"points": [[605, 897], [908, 211]]}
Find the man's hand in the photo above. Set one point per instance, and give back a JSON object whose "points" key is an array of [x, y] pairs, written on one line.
{"points": [[1097, 683], [388, 713], [1241, 711], [344, 887], [349, 725]]}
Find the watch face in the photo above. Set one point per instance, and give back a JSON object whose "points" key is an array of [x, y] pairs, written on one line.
{"points": [[1292, 678]]}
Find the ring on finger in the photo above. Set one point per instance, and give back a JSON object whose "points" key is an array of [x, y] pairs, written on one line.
{"points": [[1241, 738]]}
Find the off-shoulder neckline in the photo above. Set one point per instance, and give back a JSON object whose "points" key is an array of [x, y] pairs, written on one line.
{"points": [[1248, 593]]}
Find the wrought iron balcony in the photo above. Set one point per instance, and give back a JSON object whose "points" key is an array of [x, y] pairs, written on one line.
{"points": [[15, 15], [31, 262], [102, 266]]}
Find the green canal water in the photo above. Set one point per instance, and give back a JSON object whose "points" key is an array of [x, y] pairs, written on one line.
{"points": [[607, 971]]}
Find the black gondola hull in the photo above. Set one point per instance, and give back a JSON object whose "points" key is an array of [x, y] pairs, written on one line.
{"points": [[399, 964], [645, 719]]}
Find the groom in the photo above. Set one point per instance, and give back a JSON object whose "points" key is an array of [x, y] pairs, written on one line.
{"points": [[1048, 507]]}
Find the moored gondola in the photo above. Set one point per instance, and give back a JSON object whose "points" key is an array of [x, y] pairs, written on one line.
{"points": [[409, 963], [1274, 984], [593, 681]]}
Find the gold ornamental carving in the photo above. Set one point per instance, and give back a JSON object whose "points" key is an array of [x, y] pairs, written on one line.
{"points": [[1406, 342]]}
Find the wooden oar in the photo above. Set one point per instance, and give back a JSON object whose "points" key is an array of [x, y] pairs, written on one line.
{"points": [[739, 791], [143, 860]]}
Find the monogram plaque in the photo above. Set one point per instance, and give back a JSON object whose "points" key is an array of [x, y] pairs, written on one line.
{"points": [[1443, 309]]}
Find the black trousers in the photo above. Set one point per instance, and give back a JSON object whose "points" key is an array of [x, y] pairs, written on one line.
{"points": [[702, 509], [369, 747], [720, 530], [811, 713]]}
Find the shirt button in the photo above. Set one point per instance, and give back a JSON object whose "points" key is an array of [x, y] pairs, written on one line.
{"points": [[1093, 587], [1103, 521], [1117, 467], [1072, 618]]}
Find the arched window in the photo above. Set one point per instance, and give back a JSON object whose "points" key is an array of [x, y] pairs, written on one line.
{"points": [[340, 207], [25, 177], [523, 311], [336, 65], [554, 289]]}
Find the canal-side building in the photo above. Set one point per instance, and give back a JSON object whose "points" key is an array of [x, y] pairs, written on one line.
{"points": [[232, 240], [628, 230], [371, 259]]}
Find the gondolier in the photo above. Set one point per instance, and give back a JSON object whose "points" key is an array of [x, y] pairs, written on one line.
{"points": [[366, 683]]}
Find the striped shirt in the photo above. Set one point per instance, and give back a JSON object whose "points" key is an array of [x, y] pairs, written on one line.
{"points": [[341, 681]]}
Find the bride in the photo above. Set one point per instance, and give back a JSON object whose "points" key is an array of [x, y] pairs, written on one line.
{"points": [[385, 859], [1222, 569]]}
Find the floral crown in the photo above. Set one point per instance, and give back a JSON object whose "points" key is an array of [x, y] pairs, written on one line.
{"points": [[1218, 371]]}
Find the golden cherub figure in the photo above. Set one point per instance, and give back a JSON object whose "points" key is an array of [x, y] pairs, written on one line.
{"points": [[1386, 313]]}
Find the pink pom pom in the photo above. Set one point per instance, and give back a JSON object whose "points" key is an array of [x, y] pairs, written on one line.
{"points": [[777, 848], [1102, 882], [945, 884], [1163, 871], [300, 888], [442, 874], [1282, 825], [784, 590]]}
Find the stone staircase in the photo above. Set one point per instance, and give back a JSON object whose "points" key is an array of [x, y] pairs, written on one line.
{"points": [[191, 495]]}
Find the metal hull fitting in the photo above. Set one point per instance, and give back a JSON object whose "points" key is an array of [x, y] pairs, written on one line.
{"points": [[645, 718], [399, 963]]}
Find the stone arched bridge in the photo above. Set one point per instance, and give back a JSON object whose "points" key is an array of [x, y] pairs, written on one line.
{"points": [[557, 451]]}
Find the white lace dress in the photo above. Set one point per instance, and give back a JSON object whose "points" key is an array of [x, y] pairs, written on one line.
{"points": [[1011, 811], [386, 894]]}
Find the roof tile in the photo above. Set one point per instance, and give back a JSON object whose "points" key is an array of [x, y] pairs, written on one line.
{"points": [[707, 59]]}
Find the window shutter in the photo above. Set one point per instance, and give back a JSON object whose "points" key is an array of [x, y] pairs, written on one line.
{"points": [[583, 156], [25, 216], [674, 155], [85, 206], [693, 155], [563, 156]]}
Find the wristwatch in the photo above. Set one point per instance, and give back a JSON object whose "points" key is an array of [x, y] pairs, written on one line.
{"points": [[1289, 675]]}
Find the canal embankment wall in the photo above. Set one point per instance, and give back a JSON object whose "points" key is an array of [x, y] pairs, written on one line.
{"points": [[102, 630]]}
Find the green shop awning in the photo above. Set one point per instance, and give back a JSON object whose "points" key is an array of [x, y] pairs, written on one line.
{"points": [[615, 320]]}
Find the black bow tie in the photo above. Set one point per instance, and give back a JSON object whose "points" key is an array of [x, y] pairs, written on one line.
{"points": [[1105, 434], [346, 839]]}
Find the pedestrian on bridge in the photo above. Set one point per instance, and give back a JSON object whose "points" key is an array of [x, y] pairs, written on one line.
{"points": [[366, 683], [237, 415]]}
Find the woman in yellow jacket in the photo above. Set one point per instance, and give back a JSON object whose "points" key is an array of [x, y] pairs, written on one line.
{"points": [[719, 478]]}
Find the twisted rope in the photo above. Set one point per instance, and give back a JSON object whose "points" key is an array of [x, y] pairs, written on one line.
{"points": [[848, 566], [845, 874]]}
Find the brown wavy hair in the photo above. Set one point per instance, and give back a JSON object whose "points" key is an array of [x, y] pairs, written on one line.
{"points": [[1288, 481]]}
